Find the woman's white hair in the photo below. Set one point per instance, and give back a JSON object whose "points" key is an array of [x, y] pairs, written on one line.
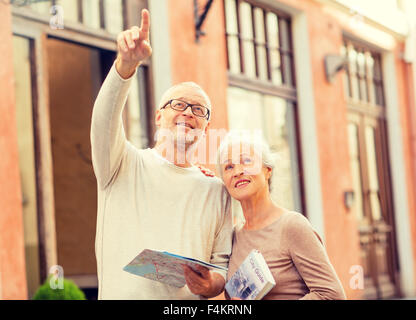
{"points": [[260, 146]]}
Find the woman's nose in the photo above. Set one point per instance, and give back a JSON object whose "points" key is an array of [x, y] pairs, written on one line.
{"points": [[238, 171]]}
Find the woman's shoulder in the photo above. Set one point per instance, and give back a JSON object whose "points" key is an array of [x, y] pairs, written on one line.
{"points": [[297, 225]]}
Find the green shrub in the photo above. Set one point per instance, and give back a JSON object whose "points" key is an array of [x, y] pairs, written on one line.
{"points": [[69, 292]]}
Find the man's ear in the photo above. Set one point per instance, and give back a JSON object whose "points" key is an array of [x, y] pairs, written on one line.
{"points": [[158, 117], [206, 128]]}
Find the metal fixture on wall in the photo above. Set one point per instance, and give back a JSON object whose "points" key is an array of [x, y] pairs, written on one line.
{"points": [[334, 64], [200, 17], [349, 199]]}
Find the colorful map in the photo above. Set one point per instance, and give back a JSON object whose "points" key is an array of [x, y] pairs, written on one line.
{"points": [[164, 266]]}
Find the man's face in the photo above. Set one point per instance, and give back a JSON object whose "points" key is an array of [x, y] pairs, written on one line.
{"points": [[183, 126]]}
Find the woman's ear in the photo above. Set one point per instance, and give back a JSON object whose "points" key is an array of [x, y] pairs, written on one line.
{"points": [[269, 172]]}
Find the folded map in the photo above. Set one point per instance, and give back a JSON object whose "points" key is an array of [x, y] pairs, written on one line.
{"points": [[164, 267]]}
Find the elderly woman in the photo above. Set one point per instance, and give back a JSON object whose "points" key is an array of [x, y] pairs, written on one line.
{"points": [[292, 249]]}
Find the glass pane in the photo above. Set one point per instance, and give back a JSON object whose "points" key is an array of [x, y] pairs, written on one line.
{"points": [[259, 25], [362, 74], [370, 66], [91, 13], [262, 62], [288, 70], [379, 94], [231, 17], [246, 23], [372, 173], [377, 68], [26, 147], [285, 34], [272, 30], [70, 9], [233, 54], [113, 15], [249, 59], [244, 109], [355, 170], [352, 55], [275, 67], [247, 36]]}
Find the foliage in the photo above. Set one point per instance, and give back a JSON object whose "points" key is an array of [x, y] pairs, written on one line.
{"points": [[70, 291]]}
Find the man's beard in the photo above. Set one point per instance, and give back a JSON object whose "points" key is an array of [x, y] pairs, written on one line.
{"points": [[185, 139]]}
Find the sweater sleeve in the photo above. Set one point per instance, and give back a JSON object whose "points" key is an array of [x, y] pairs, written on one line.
{"points": [[223, 238], [312, 262], [108, 139]]}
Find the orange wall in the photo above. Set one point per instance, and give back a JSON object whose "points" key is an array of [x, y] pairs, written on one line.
{"points": [[12, 261]]}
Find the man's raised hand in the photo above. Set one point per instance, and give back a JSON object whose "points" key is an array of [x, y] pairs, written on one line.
{"points": [[133, 47]]}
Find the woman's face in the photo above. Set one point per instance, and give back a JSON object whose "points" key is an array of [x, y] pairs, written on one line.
{"points": [[243, 172]]}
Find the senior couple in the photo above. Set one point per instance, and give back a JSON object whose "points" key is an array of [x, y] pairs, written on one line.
{"points": [[149, 199]]}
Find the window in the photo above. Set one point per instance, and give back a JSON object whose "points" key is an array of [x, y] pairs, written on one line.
{"points": [[261, 93], [363, 77], [259, 43]]}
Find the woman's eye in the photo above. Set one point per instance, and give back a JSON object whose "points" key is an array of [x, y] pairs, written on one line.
{"points": [[228, 166]]}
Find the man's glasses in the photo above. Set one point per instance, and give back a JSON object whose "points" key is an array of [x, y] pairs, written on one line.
{"points": [[179, 105]]}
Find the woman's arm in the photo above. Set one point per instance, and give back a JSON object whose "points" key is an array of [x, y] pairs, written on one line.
{"points": [[312, 262]]}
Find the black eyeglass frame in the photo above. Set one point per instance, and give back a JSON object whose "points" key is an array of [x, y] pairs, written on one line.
{"points": [[187, 106]]}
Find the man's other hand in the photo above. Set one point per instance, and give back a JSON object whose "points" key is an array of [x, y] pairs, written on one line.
{"points": [[203, 282]]}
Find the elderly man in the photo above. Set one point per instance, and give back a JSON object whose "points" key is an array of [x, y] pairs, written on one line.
{"points": [[155, 198]]}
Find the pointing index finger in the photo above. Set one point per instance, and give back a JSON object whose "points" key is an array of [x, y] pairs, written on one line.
{"points": [[145, 25]]}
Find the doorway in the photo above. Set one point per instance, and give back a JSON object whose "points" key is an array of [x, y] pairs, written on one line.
{"points": [[75, 73]]}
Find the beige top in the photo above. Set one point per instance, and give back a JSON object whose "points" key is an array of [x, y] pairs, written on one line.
{"points": [[295, 255], [145, 201]]}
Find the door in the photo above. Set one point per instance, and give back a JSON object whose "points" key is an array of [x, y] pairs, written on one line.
{"points": [[373, 205]]}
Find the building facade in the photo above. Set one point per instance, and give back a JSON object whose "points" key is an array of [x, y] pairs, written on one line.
{"points": [[329, 83]]}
